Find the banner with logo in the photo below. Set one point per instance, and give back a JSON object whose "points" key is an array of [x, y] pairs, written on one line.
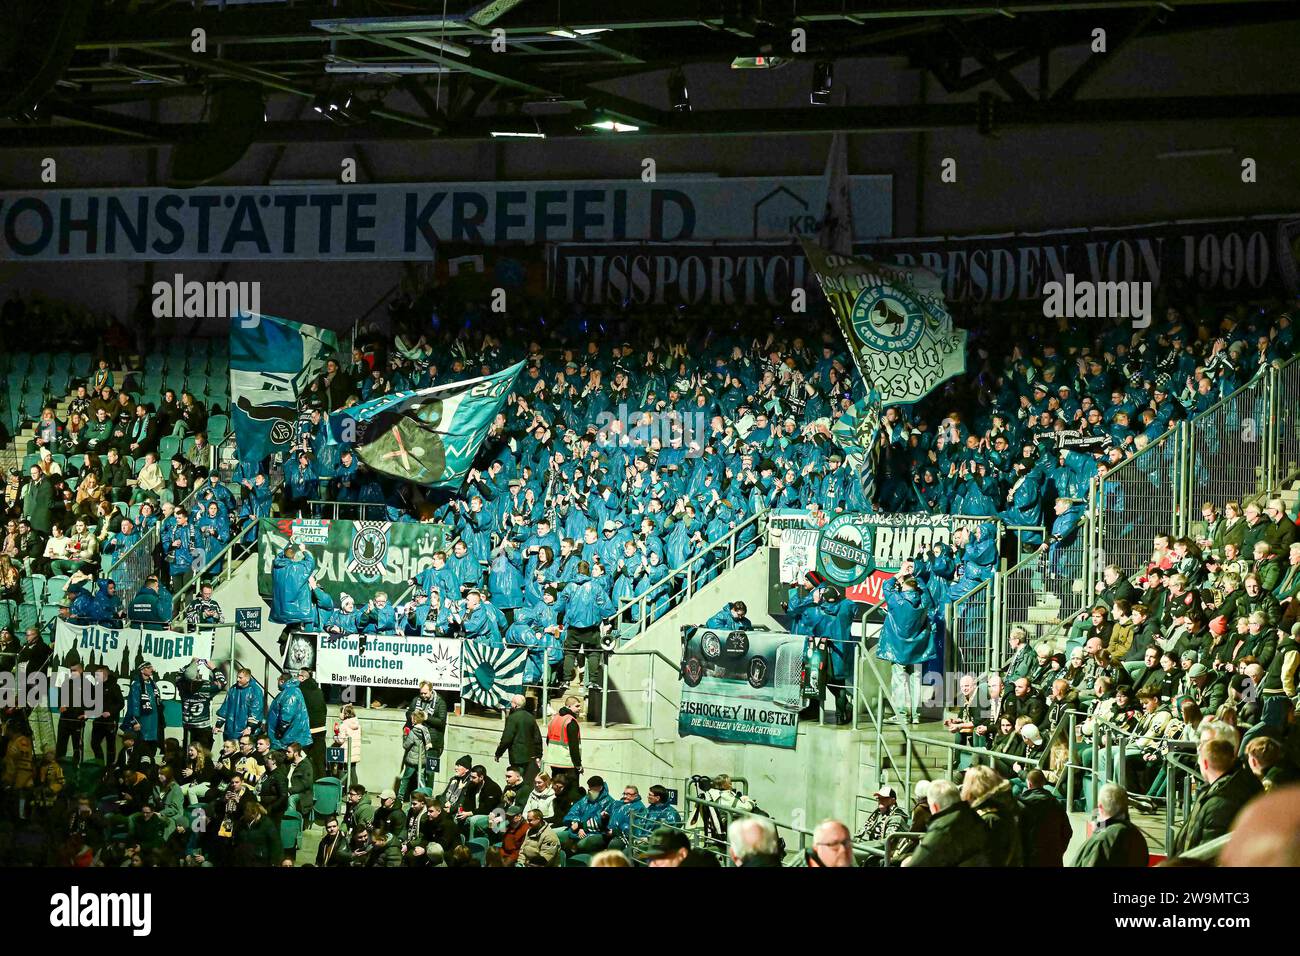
{"points": [[360, 558], [408, 221], [894, 318], [860, 552], [123, 650], [490, 676], [428, 436], [1257, 255], [377, 660], [742, 687], [272, 361], [798, 553]]}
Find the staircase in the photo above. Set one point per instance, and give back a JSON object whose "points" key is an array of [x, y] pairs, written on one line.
{"points": [[12, 455]]}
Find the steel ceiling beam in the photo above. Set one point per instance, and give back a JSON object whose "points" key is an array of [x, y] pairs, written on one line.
{"points": [[872, 119], [501, 69]]}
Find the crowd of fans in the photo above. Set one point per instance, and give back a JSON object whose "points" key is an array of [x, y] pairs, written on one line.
{"points": [[1196, 654], [634, 444]]}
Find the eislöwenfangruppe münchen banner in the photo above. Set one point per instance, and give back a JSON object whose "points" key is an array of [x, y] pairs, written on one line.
{"points": [[407, 221]]}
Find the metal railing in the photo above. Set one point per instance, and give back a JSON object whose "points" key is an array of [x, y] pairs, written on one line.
{"points": [[680, 584], [800, 837]]}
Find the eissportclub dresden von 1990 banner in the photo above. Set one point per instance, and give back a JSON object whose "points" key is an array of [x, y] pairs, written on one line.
{"points": [[741, 686], [357, 557]]}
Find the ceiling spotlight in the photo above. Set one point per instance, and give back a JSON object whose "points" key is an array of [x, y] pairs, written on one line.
{"points": [[823, 74], [678, 94], [36, 113], [344, 109], [614, 126]]}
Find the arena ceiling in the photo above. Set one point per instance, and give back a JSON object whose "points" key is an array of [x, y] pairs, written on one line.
{"points": [[124, 72]]}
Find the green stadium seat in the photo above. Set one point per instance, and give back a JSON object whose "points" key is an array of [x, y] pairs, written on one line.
{"points": [[34, 587], [291, 830], [55, 587], [327, 794]]}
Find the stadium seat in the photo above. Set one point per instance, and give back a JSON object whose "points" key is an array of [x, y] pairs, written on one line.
{"points": [[55, 587], [580, 859], [29, 615], [8, 614], [34, 588], [49, 614], [218, 428], [478, 848], [291, 830], [168, 447], [327, 794]]}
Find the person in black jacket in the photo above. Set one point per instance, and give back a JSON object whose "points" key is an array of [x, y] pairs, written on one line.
{"points": [[302, 777], [333, 847], [522, 739], [274, 789], [434, 707], [316, 718], [481, 797], [75, 696], [1044, 825]]}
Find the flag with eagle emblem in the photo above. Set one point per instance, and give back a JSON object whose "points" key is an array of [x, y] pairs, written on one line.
{"points": [[489, 675]]}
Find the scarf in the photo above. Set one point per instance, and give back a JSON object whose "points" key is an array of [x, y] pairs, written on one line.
{"points": [[146, 698]]}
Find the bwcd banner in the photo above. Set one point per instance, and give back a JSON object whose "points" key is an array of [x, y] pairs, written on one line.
{"points": [[359, 558], [741, 687], [858, 553], [123, 650]]}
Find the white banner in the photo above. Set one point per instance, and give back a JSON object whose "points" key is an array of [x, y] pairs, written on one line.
{"points": [[123, 650], [408, 221], [798, 553], [388, 661]]}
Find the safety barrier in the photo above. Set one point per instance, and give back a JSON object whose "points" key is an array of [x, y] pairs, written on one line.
{"points": [[680, 584]]}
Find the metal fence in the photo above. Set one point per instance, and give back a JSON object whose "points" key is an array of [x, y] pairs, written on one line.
{"points": [[1285, 430], [1228, 448], [1137, 500]]}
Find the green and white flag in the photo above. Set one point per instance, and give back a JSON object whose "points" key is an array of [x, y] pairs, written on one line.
{"points": [[894, 318], [428, 436]]}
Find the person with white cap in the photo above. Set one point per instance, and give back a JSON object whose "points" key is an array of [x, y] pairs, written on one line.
{"points": [[887, 819]]}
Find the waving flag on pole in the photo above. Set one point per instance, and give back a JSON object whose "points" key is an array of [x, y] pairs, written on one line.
{"points": [[837, 221], [895, 320], [272, 361], [428, 436], [856, 431], [489, 675]]}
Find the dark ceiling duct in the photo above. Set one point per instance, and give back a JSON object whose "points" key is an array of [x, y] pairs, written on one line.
{"points": [[234, 123], [37, 41]]}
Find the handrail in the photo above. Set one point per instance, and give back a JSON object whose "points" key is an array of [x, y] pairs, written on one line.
{"points": [[664, 590], [732, 813]]}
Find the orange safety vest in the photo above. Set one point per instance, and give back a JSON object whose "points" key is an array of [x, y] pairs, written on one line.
{"points": [[557, 741]]}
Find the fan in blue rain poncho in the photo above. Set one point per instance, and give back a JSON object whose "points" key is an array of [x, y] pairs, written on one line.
{"points": [[910, 637]]}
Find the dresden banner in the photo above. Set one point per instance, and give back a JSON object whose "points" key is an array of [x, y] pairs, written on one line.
{"points": [[860, 552], [1238, 256]]}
